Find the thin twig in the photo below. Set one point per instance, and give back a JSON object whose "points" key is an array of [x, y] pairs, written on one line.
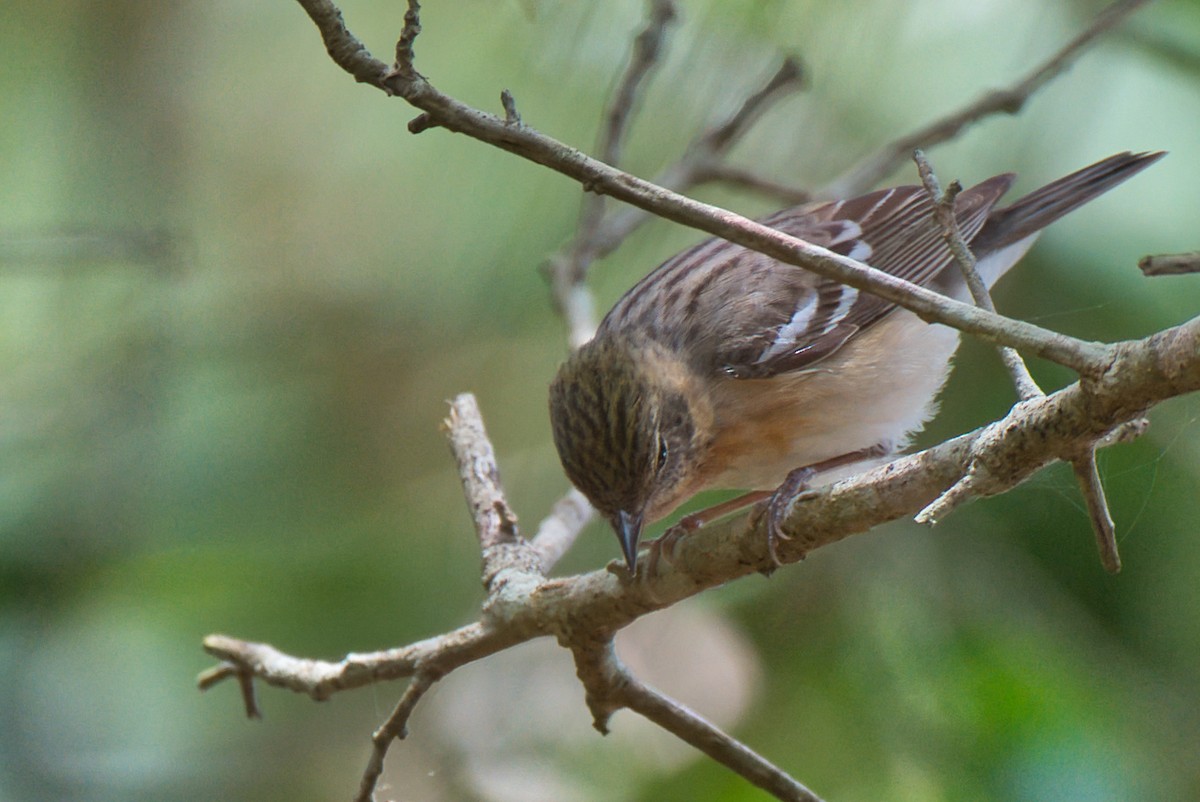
{"points": [[395, 728], [943, 210], [744, 179], [404, 45], [1170, 264], [647, 48], [582, 611], [967, 488], [717, 140], [599, 236], [320, 679], [610, 686], [1083, 357], [245, 678], [158, 249], [1097, 507], [568, 268], [559, 529], [505, 552], [873, 169], [712, 741], [643, 58], [702, 159], [1085, 465]]}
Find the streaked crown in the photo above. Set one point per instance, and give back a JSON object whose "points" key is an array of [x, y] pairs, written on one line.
{"points": [[625, 427]]}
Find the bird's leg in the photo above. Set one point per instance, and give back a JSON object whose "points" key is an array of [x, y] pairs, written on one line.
{"points": [[692, 522], [797, 480], [777, 504], [663, 546]]}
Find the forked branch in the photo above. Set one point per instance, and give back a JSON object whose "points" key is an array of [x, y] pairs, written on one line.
{"points": [[1121, 381]]}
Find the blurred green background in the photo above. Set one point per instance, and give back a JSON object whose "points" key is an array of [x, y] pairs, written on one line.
{"points": [[235, 295]]}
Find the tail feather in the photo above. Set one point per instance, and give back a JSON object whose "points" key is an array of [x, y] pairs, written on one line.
{"points": [[1042, 207]]}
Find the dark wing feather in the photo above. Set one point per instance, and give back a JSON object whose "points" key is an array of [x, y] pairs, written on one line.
{"points": [[748, 315]]}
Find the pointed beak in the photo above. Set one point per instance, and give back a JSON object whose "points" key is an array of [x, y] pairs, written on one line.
{"points": [[629, 529]]}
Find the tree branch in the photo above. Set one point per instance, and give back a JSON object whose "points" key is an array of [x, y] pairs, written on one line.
{"points": [[507, 556], [444, 111], [394, 729], [1170, 264], [610, 685], [1034, 434], [943, 210], [584, 610], [1120, 382], [878, 166], [1085, 463]]}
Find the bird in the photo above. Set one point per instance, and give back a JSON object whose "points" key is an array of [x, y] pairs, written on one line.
{"points": [[724, 368]]}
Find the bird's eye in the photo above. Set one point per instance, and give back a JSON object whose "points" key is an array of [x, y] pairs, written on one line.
{"points": [[662, 453]]}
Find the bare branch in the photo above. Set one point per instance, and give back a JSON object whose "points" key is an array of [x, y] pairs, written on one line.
{"points": [[320, 679], [1120, 382], [717, 140], [1083, 357], [943, 210], [245, 679], [568, 268], [558, 531], [647, 48], [702, 159], [506, 554], [873, 169], [1035, 433], [1170, 264], [973, 483], [343, 47], [1097, 506], [967, 488], [404, 45], [395, 728], [744, 179], [610, 686]]}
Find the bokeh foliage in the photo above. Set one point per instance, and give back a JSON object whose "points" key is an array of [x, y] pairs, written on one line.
{"points": [[235, 294]]}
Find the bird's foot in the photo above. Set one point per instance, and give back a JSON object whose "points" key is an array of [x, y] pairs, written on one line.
{"points": [[777, 508]]}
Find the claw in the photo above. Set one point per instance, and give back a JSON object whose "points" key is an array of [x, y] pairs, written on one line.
{"points": [[777, 507]]}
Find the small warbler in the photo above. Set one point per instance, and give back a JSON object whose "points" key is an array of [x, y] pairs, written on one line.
{"points": [[725, 368]]}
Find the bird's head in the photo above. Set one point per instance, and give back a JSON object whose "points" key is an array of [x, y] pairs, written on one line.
{"points": [[629, 427]]}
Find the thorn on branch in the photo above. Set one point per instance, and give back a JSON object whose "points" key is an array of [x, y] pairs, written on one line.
{"points": [[511, 116]]}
